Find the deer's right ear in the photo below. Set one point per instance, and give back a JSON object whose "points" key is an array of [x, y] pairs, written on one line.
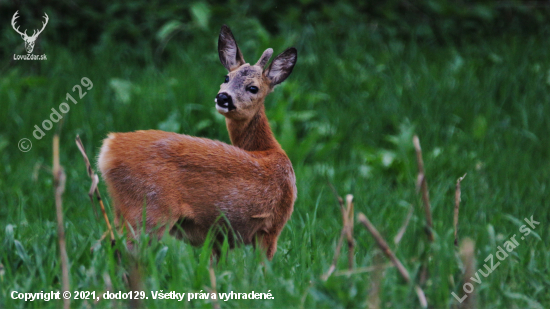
{"points": [[282, 66], [230, 54]]}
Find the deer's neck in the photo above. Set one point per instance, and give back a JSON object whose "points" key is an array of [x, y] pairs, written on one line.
{"points": [[252, 135]]}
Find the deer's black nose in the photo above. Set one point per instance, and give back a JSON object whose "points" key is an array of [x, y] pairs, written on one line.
{"points": [[225, 100]]}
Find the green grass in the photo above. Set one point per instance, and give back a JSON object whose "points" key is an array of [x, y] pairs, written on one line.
{"points": [[345, 116]]}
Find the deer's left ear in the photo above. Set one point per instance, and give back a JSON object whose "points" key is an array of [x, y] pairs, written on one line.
{"points": [[230, 54], [282, 66], [265, 57]]}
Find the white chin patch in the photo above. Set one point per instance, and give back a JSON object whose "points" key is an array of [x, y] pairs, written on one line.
{"points": [[221, 110]]}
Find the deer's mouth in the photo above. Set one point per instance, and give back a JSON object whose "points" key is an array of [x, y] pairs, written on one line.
{"points": [[225, 105], [221, 110]]}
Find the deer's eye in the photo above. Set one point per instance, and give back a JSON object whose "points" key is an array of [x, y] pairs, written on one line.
{"points": [[253, 89], [226, 79]]}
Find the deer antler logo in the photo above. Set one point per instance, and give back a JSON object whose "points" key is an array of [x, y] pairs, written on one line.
{"points": [[29, 40]]}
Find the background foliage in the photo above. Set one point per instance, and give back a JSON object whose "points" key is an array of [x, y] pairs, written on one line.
{"points": [[139, 28], [471, 78]]}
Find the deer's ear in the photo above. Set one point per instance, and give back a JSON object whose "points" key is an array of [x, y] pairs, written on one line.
{"points": [[282, 66], [265, 57], [230, 54]]}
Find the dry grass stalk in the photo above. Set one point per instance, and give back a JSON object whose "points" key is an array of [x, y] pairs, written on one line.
{"points": [[467, 251], [387, 251], [215, 302], [59, 184], [335, 258], [373, 301], [36, 170], [94, 188], [338, 197], [422, 186], [384, 246], [401, 232], [421, 296], [108, 288], [347, 231], [457, 206], [361, 270], [135, 283], [348, 225]]}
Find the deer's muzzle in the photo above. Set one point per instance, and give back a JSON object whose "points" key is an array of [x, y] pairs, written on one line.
{"points": [[224, 100]]}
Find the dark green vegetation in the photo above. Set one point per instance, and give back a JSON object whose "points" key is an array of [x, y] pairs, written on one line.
{"points": [[346, 115]]}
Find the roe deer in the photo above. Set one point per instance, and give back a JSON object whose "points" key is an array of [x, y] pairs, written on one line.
{"points": [[186, 183]]}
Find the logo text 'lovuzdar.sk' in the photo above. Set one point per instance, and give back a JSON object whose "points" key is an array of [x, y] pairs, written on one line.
{"points": [[29, 40]]}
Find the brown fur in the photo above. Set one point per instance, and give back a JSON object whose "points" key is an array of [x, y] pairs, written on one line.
{"points": [[185, 183]]}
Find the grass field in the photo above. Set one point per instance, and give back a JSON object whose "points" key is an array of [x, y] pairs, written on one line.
{"points": [[345, 116]]}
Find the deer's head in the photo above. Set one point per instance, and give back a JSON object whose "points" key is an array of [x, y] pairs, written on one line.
{"points": [[245, 86], [29, 40]]}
